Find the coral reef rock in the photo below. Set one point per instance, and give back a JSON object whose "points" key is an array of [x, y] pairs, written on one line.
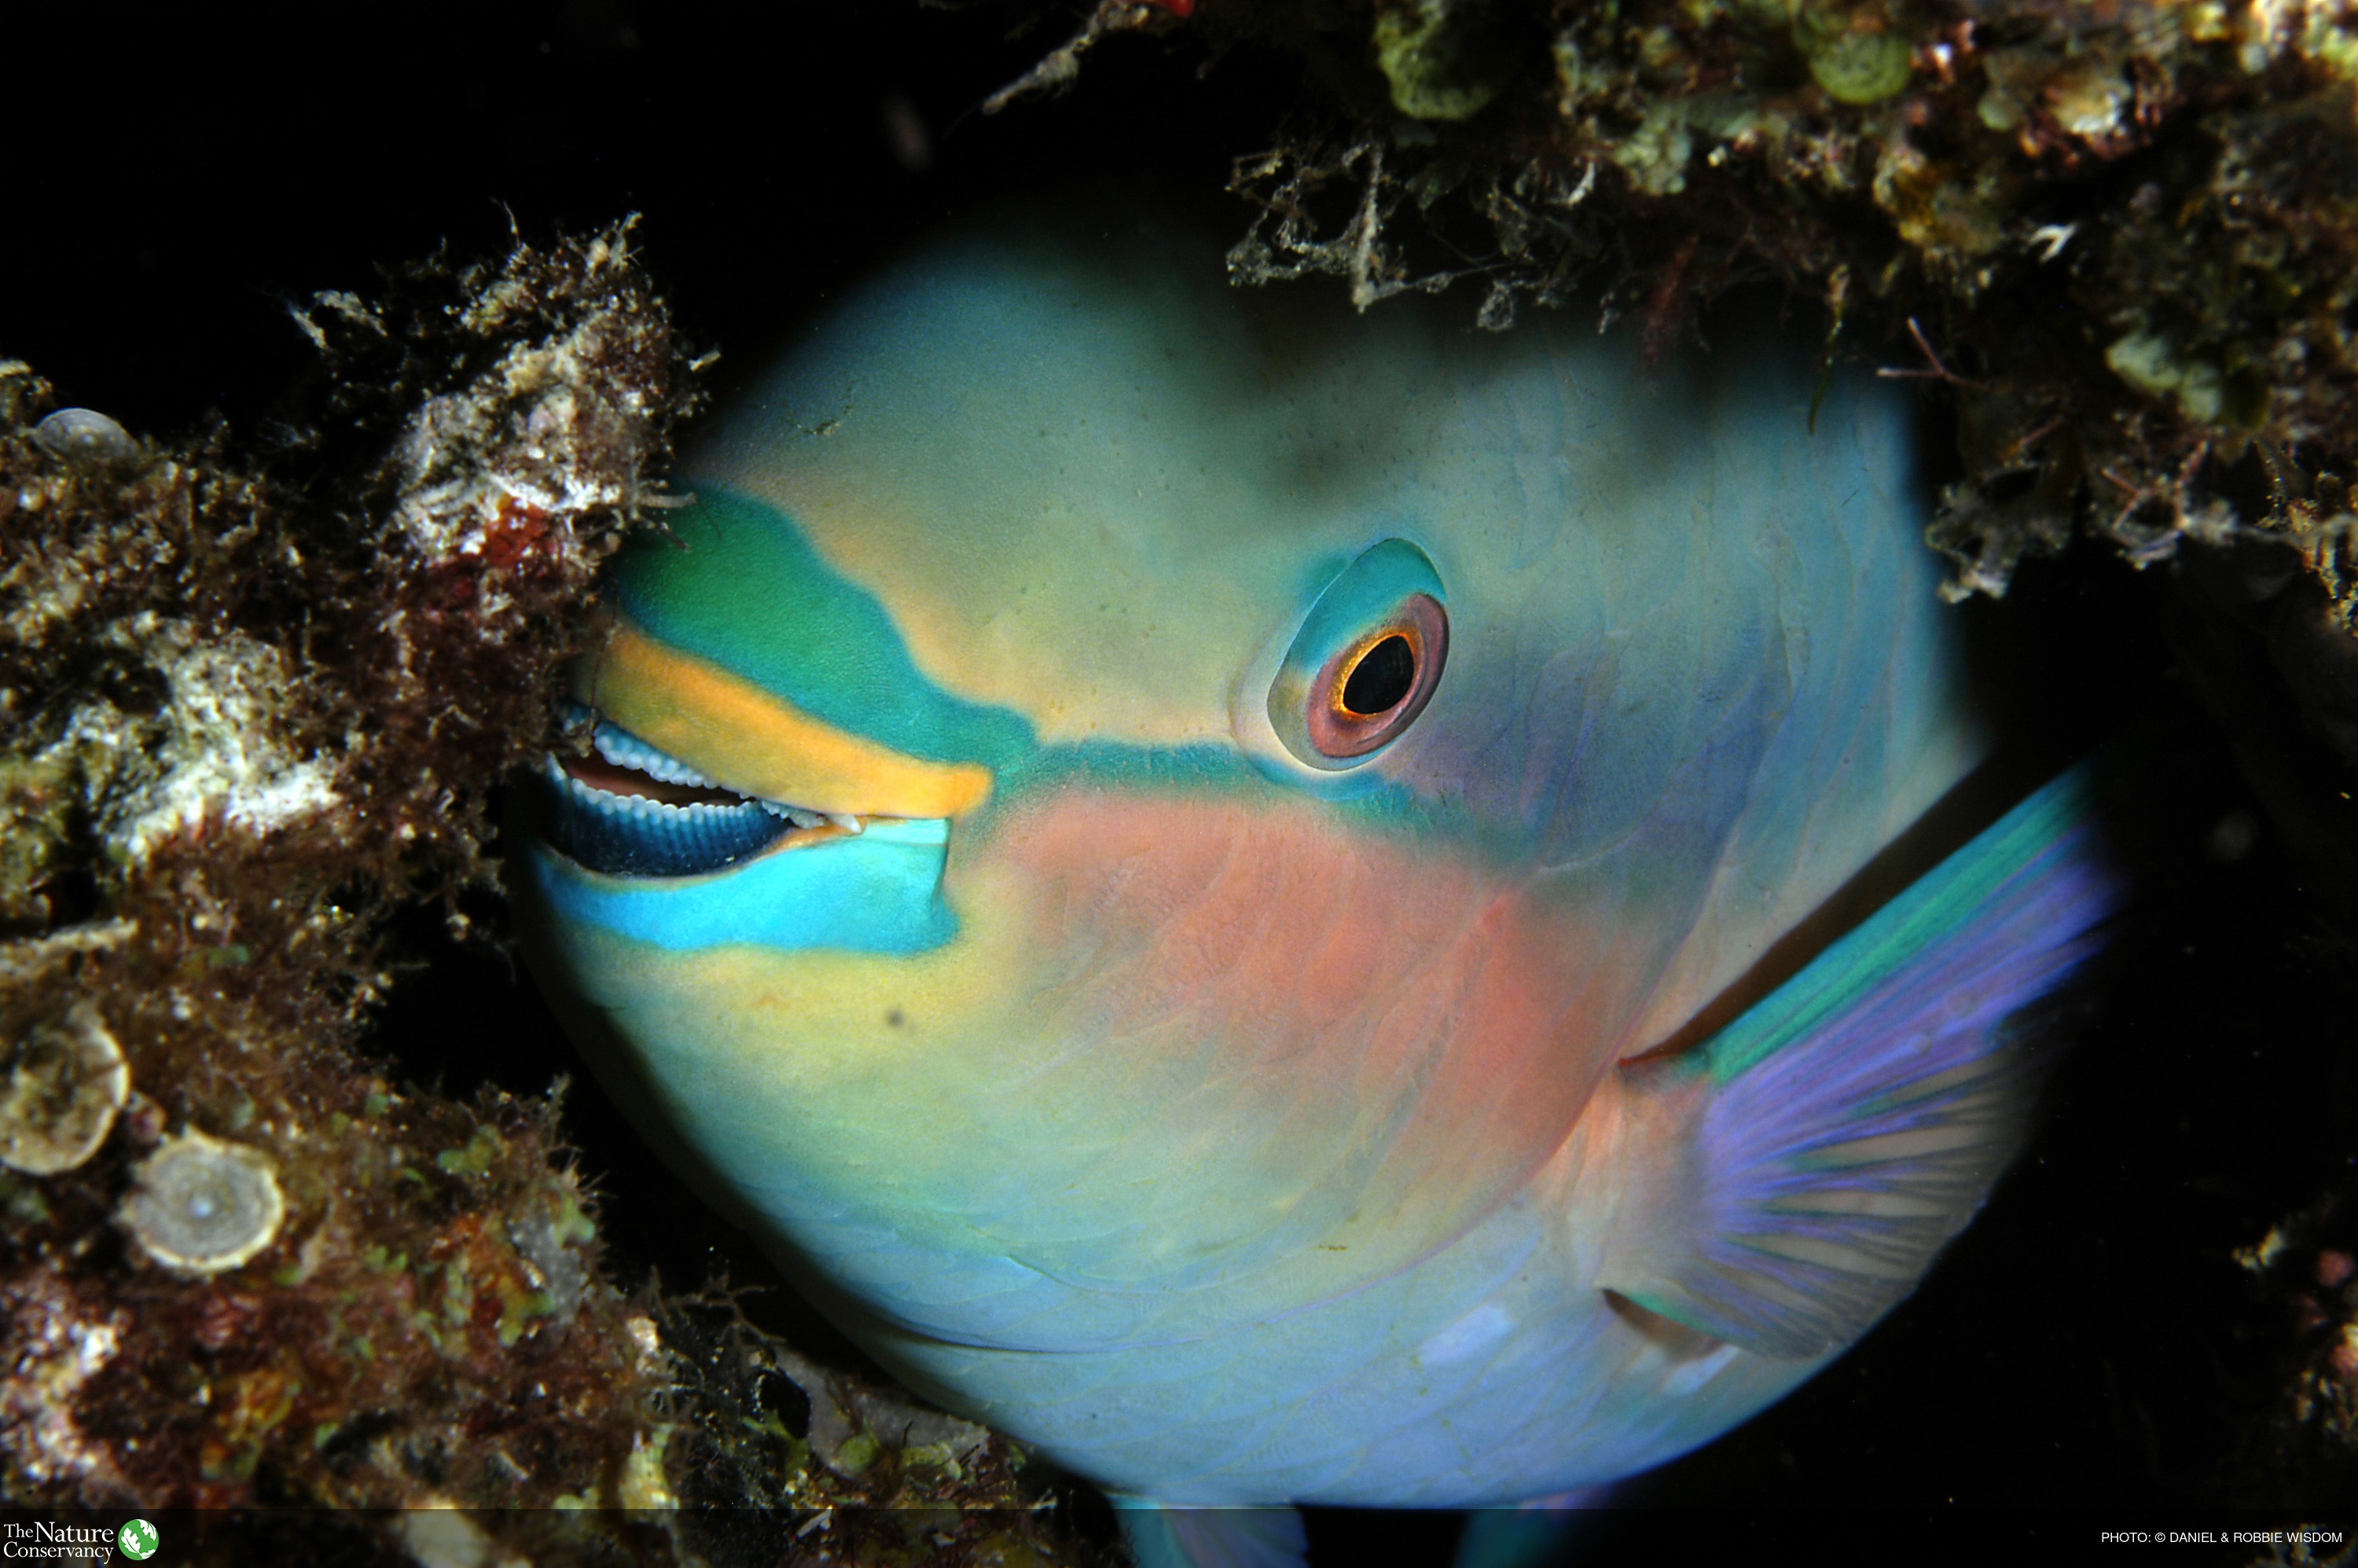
{"points": [[243, 717], [2121, 238]]}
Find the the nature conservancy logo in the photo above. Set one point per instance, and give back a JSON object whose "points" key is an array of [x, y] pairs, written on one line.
{"points": [[43, 1539]]}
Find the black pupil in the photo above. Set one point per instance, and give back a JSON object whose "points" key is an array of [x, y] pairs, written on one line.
{"points": [[1381, 678]]}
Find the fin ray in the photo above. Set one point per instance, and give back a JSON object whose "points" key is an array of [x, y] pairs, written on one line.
{"points": [[1850, 1123]]}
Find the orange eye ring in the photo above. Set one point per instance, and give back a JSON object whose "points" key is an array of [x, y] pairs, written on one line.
{"points": [[1368, 693]]}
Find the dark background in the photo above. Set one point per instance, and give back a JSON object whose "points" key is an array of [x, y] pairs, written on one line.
{"points": [[172, 180]]}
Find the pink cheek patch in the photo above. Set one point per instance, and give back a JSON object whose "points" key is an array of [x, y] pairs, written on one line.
{"points": [[1396, 1016]]}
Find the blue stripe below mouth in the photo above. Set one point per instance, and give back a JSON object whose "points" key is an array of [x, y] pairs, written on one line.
{"points": [[713, 867], [877, 892]]}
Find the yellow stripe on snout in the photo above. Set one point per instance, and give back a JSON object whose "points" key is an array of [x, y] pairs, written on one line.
{"points": [[758, 744]]}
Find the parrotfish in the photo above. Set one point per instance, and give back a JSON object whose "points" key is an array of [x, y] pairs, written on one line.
{"points": [[1251, 896]]}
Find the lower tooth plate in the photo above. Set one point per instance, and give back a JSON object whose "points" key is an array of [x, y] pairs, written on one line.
{"points": [[631, 836]]}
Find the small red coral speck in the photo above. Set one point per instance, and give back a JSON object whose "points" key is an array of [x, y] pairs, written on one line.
{"points": [[513, 532]]}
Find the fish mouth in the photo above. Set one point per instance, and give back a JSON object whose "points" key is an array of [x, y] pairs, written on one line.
{"points": [[625, 809]]}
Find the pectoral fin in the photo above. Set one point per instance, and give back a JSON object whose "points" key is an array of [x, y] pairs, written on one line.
{"points": [[1839, 1133]]}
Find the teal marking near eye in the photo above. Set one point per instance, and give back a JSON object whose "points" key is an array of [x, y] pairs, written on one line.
{"points": [[1362, 592], [880, 893], [738, 584]]}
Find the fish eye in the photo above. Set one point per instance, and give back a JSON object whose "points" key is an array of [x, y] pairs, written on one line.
{"points": [[1365, 662], [1374, 688]]}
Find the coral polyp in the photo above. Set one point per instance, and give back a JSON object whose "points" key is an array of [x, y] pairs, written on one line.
{"points": [[202, 1205], [65, 1084], [84, 435]]}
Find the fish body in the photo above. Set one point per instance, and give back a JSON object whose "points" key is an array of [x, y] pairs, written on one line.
{"points": [[1148, 840]]}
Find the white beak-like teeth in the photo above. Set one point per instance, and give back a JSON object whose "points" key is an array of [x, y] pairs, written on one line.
{"points": [[619, 746], [633, 833], [624, 750]]}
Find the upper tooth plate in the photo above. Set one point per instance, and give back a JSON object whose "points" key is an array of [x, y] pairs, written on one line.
{"points": [[624, 750]]}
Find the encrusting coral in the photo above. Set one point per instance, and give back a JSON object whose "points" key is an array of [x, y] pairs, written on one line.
{"points": [[244, 721], [2307, 1267], [245, 718]]}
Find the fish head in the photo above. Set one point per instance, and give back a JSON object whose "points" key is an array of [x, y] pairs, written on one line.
{"points": [[1292, 756]]}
